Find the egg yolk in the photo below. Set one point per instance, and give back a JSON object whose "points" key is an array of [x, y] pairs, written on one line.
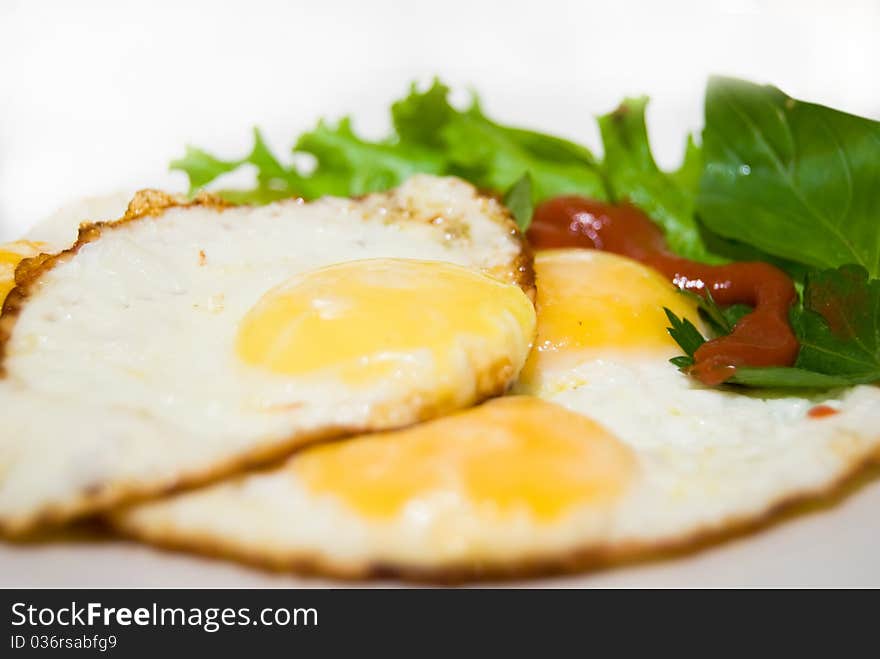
{"points": [[593, 303], [509, 455], [11, 254], [379, 318]]}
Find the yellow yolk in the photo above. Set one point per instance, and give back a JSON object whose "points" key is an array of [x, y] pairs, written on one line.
{"points": [[11, 255], [509, 455], [371, 319], [593, 303]]}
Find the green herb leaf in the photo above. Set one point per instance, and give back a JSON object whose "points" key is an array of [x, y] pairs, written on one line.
{"points": [[796, 180], [634, 176], [518, 200], [687, 176], [734, 312], [721, 321], [431, 136], [839, 327], [773, 377], [270, 173], [682, 362], [273, 180]]}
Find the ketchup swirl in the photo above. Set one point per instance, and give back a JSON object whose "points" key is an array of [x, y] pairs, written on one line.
{"points": [[761, 338]]}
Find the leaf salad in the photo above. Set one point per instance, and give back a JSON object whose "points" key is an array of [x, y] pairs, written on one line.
{"points": [[771, 178]]}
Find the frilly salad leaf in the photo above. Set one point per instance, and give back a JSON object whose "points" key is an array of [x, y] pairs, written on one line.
{"points": [[491, 155], [273, 180], [430, 136], [633, 175], [348, 165]]}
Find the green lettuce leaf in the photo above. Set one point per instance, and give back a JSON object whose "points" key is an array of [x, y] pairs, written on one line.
{"points": [[687, 176], [273, 180], [633, 175], [419, 117], [490, 155], [839, 326], [796, 180], [202, 168], [720, 320]]}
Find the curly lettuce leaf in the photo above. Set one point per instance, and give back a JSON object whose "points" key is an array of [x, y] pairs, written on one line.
{"points": [[273, 180], [720, 320], [633, 175], [493, 156], [430, 136]]}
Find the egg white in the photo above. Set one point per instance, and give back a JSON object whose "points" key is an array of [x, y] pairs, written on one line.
{"points": [[713, 459], [120, 374], [706, 463]]}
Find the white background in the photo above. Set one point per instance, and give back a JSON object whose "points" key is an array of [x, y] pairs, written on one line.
{"points": [[98, 96]]}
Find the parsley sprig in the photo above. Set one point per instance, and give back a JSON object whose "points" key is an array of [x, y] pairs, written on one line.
{"points": [[837, 322], [776, 179]]}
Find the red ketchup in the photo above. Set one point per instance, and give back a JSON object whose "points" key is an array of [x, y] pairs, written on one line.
{"points": [[821, 411], [761, 338]]}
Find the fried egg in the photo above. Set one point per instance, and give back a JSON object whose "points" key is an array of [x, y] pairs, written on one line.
{"points": [[55, 233], [11, 254], [191, 339], [608, 452], [59, 230]]}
